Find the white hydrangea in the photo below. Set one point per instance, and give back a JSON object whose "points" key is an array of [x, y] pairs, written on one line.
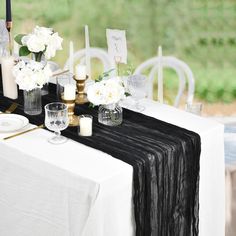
{"points": [[31, 74]]}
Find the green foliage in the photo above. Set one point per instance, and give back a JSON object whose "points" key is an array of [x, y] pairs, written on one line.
{"points": [[104, 75], [18, 38], [24, 51]]}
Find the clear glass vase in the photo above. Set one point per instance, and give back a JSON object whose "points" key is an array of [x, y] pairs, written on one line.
{"points": [[33, 101], [111, 115], [39, 57]]}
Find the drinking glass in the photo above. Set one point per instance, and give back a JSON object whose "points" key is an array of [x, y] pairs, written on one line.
{"points": [[137, 86], [195, 108], [56, 119], [62, 80]]}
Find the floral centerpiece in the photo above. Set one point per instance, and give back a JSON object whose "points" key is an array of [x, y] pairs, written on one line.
{"points": [[31, 76], [40, 42], [106, 94]]}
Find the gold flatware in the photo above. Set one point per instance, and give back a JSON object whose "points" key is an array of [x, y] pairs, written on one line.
{"points": [[11, 108], [23, 132]]}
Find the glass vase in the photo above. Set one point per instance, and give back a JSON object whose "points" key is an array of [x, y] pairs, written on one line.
{"points": [[111, 115], [33, 102], [39, 57]]}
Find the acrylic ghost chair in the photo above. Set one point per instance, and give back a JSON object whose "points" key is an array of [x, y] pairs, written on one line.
{"points": [[182, 70], [97, 53]]}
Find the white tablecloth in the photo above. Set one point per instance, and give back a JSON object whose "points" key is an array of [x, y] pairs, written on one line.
{"points": [[71, 189]]}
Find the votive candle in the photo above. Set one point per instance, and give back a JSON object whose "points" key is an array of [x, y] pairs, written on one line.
{"points": [[86, 125]]}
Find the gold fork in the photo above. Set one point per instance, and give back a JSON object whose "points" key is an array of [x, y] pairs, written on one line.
{"points": [[24, 132], [11, 108]]}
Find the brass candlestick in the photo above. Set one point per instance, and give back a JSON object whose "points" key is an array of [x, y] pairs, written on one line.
{"points": [[73, 119], [81, 97]]}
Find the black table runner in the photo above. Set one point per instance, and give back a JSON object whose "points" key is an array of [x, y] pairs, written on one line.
{"points": [[165, 159]]}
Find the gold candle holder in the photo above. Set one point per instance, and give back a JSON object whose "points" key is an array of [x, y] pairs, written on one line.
{"points": [[81, 97], [73, 119]]}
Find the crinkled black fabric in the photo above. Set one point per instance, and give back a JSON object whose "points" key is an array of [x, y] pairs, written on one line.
{"points": [[165, 159]]}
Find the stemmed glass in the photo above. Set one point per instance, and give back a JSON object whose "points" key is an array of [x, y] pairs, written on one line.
{"points": [[137, 86], [56, 119]]}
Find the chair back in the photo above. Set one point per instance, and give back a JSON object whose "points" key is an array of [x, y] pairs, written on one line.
{"points": [[97, 53], [182, 70]]}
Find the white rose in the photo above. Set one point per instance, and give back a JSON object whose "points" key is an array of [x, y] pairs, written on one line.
{"points": [[33, 43], [114, 91], [43, 33], [54, 44], [95, 94]]}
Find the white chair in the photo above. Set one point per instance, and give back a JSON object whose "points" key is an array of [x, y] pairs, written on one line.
{"points": [[182, 70], [97, 53]]}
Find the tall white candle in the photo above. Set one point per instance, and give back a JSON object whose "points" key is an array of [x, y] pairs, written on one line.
{"points": [[87, 52], [86, 124], [8, 80], [15, 49], [81, 72], [69, 92], [71, 58], [160, 75]]}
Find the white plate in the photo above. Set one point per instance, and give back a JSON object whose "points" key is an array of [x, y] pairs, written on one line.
{"points": [[12, 122]]}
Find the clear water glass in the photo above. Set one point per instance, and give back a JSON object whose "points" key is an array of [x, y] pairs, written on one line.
{"points": [[56, 119], [137, 86], [195, 108]]}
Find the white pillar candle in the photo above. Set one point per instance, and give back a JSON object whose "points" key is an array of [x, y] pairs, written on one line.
{"points": [[87, 52], [160, 75], [71, 58], [8, 80], [81, 72], [69, 92], [86, 124]]}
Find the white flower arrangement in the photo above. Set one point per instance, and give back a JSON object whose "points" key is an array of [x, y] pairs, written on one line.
{"points": [[106, 92], [42, 41], [31, 74]]}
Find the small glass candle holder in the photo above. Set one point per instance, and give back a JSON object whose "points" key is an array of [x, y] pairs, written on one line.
{"points": [[85, 127], [195, 108], [61, 81]]}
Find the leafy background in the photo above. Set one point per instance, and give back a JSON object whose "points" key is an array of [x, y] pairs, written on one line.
{"points": [[200, 32]]}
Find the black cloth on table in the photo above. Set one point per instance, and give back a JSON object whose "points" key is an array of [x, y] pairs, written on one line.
{"points": [[165, 160]]}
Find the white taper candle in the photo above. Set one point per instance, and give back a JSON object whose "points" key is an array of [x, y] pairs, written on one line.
{"points": [[87, 52], [160, 75], [71, 58]]}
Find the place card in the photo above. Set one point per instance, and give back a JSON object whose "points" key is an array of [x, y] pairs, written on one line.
{"points": [[117, 46]]}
